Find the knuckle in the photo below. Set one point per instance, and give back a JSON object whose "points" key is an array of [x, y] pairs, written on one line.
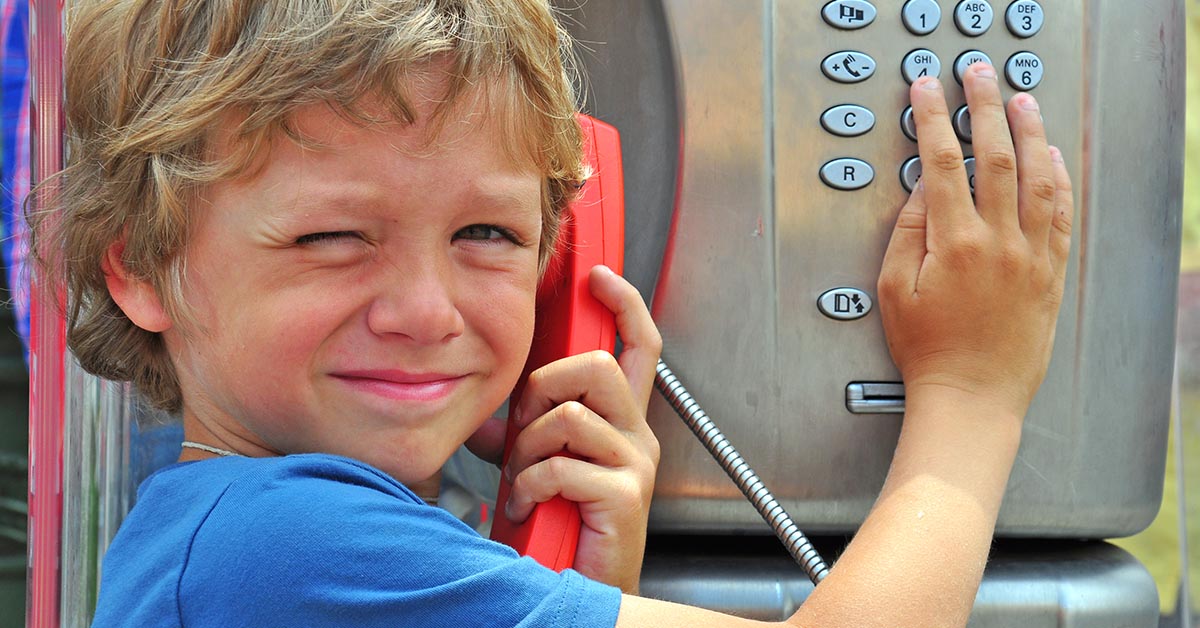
{"points": [[571, 413], [556, 467], [945, 158], [1062, 223], [1042, 187], [602, 362], [1014, 258], [966, 247], [998, 161]]}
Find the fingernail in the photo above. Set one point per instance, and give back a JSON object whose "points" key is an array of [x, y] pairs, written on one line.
{"points": [[508, 473], [928, 82], [1056, 155], [605, 269], [984, 70], [1027, 102]]}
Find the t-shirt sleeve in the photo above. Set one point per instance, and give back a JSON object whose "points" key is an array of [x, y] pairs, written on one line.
{"points": [[334, 544]]}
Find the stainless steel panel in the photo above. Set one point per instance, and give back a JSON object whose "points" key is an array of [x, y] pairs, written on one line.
{"points": [[756, 238], [1092, 585]]}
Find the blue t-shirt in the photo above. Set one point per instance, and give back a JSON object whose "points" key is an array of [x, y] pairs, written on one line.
{"points": [[317, 540]]}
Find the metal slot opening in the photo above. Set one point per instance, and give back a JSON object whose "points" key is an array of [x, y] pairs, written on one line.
{"points": [[875, 397]]}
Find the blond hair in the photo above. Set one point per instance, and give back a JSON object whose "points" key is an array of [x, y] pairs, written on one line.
{"points": [[149, 81]]}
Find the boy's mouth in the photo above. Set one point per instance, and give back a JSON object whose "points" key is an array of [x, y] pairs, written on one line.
{"points": [[400, 385]]}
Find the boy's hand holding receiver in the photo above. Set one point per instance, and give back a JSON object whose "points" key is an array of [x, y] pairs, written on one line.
{"points": [[594, 407]]}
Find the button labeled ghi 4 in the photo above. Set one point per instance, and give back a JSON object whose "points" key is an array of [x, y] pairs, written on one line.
{"points": [[844, 304]]}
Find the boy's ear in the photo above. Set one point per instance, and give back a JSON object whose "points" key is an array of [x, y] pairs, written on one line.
{"points": [[136, 297]]}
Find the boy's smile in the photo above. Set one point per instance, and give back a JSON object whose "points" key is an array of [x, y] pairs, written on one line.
{"points": [[371, 298]]}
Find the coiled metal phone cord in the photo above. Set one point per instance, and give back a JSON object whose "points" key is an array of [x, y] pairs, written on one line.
{"points": [[740, 472]]}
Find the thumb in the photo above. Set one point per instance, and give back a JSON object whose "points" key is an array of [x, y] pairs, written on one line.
{"points": [[487, 443], [906, 250]]}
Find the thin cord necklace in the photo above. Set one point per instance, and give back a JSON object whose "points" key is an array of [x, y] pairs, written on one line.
{"points": [[209, 448]]}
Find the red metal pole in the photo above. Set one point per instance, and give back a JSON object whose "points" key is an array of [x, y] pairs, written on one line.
{"points": [[47, 330]]}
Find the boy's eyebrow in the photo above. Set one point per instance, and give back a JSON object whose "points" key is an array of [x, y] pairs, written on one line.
{"points": [[499, 197]]}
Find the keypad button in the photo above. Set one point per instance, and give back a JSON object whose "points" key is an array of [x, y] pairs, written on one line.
{"points": [[910, 173], [920, 62], [1024, 71], [908, 124], [847, 174], [844, 304], [849, 14], [848, 66], [848, 120], [973, 17], [921, 17], [969, 165], [965, 60], [1024, 18], [962, 124]]}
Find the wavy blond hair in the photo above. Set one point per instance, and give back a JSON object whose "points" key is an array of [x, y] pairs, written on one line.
{"points": [[149, 81]]}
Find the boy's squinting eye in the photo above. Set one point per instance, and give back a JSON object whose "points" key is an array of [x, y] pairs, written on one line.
{"points": [[487, 232], [325, 236]]}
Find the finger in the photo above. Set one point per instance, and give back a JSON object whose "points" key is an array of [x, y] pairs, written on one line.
{"points": [[906, 251], [947, 193], [575, 480], [1064, 215], [487, 443], [594, 379], [640, 340], [576, 429], [995, 158], [1037, 178]]}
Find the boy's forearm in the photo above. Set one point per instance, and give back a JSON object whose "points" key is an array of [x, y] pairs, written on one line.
{"points": [[919, 556]]}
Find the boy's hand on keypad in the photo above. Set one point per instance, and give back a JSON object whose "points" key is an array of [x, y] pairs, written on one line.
{"points": [[594, 406], [970, 288]]}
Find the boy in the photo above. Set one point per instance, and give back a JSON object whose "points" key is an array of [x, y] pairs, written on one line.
{"points": [[315, 228]]}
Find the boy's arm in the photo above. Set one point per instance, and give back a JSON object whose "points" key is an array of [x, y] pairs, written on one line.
{"points": [[969, 294]]}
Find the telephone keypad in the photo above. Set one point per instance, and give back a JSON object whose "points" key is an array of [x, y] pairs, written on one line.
{"points": [[921, 17], [847, 174], [973, 17], [920, 62], [849, 14], [1024, 18], [1024, 71], [848, 120], [965, 60], [848, 66]]}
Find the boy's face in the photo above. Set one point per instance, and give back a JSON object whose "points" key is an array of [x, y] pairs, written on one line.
{"points": [[372, 298]]}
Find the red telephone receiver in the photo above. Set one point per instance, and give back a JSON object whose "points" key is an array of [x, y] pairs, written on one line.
{"points": [[571, 321]]}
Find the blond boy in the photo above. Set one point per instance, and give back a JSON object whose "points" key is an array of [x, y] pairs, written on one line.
{"points": [[314, 228]]}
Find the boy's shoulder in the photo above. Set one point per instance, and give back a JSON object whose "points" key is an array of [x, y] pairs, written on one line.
{"points": [[239, 477]]}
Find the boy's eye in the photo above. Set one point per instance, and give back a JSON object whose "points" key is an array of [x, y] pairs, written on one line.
{"points": [[325, 236], [486, 232]]}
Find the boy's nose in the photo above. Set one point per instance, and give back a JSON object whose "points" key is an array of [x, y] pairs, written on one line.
{"points": [[417, 304]]}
